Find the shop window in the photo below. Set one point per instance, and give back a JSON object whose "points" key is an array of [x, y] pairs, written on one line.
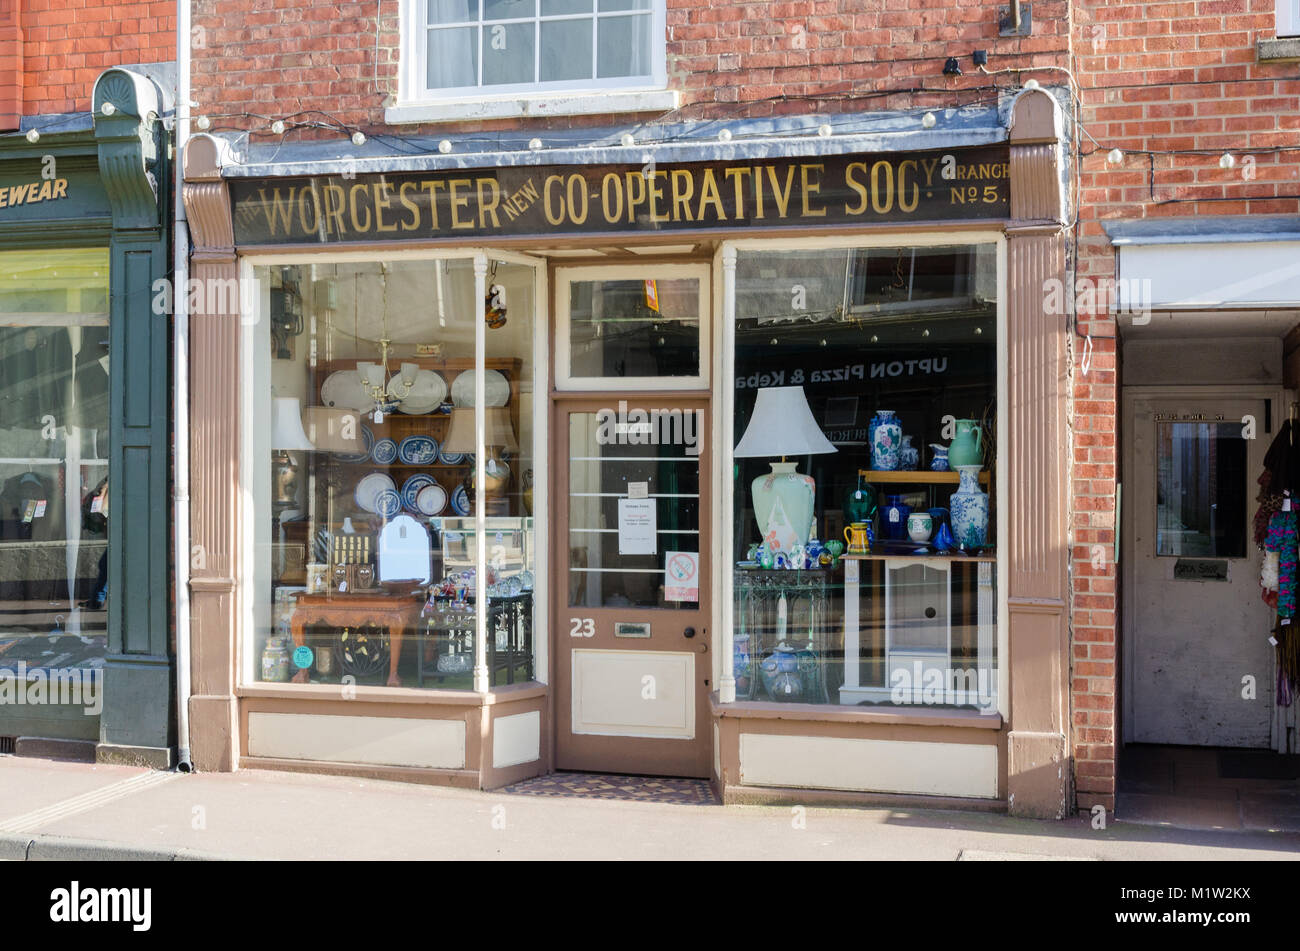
{"points": [[1200, 490], [54, 456], [529, 46], [864, 542], [375, 564]]}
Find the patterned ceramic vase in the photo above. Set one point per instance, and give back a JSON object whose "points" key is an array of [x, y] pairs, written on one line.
{"points": [[783, 507], [938, 457], [909, 456], [969, 508], [886, 435]]}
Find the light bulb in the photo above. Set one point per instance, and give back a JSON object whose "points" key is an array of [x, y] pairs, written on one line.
{"points": [[928, 120], [1227, 161], [358, 138], [108, 109], [627, 139], [535, 144], [825, 130], [1115, 157], [33, 136], [724, 135], [278, 127], [203, 122], [444, 146], [1031, 83]]}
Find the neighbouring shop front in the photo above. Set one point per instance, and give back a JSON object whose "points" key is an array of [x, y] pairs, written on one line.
{"points": [[84, 655], [689, 459]]}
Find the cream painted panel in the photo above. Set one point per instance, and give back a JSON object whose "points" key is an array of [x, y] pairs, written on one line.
{"points": [[613, 697], [382, 741], [829, 762], [516, 739]]}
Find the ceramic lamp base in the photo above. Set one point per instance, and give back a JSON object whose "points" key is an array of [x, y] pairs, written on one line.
{"points": [[783, 506]]}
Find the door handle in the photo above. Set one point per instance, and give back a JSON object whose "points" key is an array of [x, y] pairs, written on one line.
{"points": [[689, 632]]}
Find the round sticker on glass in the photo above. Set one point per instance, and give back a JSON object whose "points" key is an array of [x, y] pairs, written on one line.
{"points": [[302, 657]]}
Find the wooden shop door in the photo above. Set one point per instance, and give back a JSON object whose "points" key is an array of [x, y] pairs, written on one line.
{"points": [[631, 595]]}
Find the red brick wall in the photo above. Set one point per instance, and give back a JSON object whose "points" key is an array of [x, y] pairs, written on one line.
{"points": [[302, 55], [1165, 77], [66, 44]]}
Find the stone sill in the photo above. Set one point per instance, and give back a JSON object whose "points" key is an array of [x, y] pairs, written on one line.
{"points": [[833, 713], [523, 107], [371, 694], [1281, 50]]}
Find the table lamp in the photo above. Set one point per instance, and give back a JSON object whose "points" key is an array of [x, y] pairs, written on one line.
{"points": [[498, 437], [783, 425], [286, 434]]}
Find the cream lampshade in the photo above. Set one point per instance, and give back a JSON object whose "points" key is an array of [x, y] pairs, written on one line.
{"points": [[333, 429], [783, 425], [286, 434], [498, 437]]}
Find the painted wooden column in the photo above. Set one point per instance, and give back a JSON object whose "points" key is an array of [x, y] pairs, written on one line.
{"points": [[216, 514], [136, 723], [1038, 767]]}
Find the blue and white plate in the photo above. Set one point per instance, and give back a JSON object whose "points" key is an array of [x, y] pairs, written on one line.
{"points": [[370, 487], [367, 440], [418, 450], [460, 501], [411, 489], [384, 451], [450, 458], [431, 500], [388, 503]]}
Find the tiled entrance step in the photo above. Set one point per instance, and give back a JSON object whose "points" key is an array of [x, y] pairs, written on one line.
{"points": [[687, 792]]}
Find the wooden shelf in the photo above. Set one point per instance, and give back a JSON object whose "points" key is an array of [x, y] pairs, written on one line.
{"points": [[935, 556], [916, 476]]}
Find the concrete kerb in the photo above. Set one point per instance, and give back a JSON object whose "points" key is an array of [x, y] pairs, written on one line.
{"points": [[56, 848]]}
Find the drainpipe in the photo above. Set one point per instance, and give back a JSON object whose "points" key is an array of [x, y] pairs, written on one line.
{"points": [[181, 395]]}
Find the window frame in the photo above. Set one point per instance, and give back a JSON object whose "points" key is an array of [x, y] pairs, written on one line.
{"points": [[413, 89], [725, 436]]}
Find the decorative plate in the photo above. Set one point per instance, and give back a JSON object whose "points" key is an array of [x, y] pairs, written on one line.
{"points": [[411, 489], [418, 450], [343, 389], [450, 458], [431, 500], [496, 389], [384, 451], [426, 394], [369, 487], [460, 501], [367, 439], [388, 503]]}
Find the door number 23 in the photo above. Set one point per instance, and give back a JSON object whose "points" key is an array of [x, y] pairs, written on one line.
{"points": [[582, 627]]}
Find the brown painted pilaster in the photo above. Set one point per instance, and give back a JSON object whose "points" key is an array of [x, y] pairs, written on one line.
{"points": [[215, 515], [1038, 768]]}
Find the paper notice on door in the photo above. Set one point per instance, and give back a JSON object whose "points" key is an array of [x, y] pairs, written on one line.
{"points": [[638, 490], [637, 526], [681, 576]]}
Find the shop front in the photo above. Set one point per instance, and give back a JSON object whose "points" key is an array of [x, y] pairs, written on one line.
{"points": [[84, 653], [740, 461]]}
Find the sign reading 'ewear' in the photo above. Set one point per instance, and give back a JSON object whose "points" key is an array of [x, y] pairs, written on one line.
{"points": [[550, 200]]}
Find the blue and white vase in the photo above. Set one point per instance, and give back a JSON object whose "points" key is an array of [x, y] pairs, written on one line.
{"points": [[938, 457], [969, 510], [909, 456], [886, 435]]}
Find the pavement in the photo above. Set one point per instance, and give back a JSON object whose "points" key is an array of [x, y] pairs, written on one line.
{"points": [[53, 809]]}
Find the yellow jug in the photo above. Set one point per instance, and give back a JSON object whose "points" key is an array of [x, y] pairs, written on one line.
{"points": [[856, 536]]}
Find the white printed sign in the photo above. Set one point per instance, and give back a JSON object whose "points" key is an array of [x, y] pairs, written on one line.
{"points": [[637, 526], [681, 576]]}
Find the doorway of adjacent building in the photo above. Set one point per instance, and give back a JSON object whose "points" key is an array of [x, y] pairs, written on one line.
{"points": [[1198, 668]]}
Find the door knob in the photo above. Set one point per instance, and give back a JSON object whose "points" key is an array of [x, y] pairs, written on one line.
{"points": [[689, 632]]}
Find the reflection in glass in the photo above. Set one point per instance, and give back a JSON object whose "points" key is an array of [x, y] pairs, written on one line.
{"points": [[626, 329], [1200, 490]]}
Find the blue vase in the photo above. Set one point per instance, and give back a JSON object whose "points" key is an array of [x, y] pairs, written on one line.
{"points": [[893, 518], [969, 508], [909, 456], [886, 435]]}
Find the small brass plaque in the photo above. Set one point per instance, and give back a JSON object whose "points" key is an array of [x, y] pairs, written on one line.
{"points": [[1200, 569], [629, 629]]}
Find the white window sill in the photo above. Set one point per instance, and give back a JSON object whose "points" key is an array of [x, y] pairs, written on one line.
{"points": [[510, 107]]}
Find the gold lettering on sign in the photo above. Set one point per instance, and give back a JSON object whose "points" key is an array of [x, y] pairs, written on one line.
{"points": [[657, 195], [709, 196], [278, 212], [782, 197], [409, 205], [611, 197], [683, 189], [808, 188], [736, 174], [488, 205], [458, 202], [334, 209], [554, 217], [432, 189], [857, 186], [383, 202], [352, 206]]}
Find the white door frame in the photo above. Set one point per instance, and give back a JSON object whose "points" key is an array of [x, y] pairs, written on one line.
{"points": [[1278, 398]]}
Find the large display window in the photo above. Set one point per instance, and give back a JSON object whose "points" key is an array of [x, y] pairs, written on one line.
{"points": [[392, 458], [864, 538], [54, 455]]}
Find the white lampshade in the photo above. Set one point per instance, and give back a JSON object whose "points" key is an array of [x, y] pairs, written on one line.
{"points": [[782, 425], [286, 432]]}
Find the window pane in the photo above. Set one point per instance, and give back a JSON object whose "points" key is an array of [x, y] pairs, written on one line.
{"points": [[508, 54], [559, 7], [452, 58], [613, 6], [602, 571], [509, 9], [912, 619], [54, 452], [623, 46], [624, 329], [452, 11], [1200, 490], [566, 50]]}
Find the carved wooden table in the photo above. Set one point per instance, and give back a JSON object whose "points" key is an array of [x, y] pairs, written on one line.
{"points": [[393, 612]]}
